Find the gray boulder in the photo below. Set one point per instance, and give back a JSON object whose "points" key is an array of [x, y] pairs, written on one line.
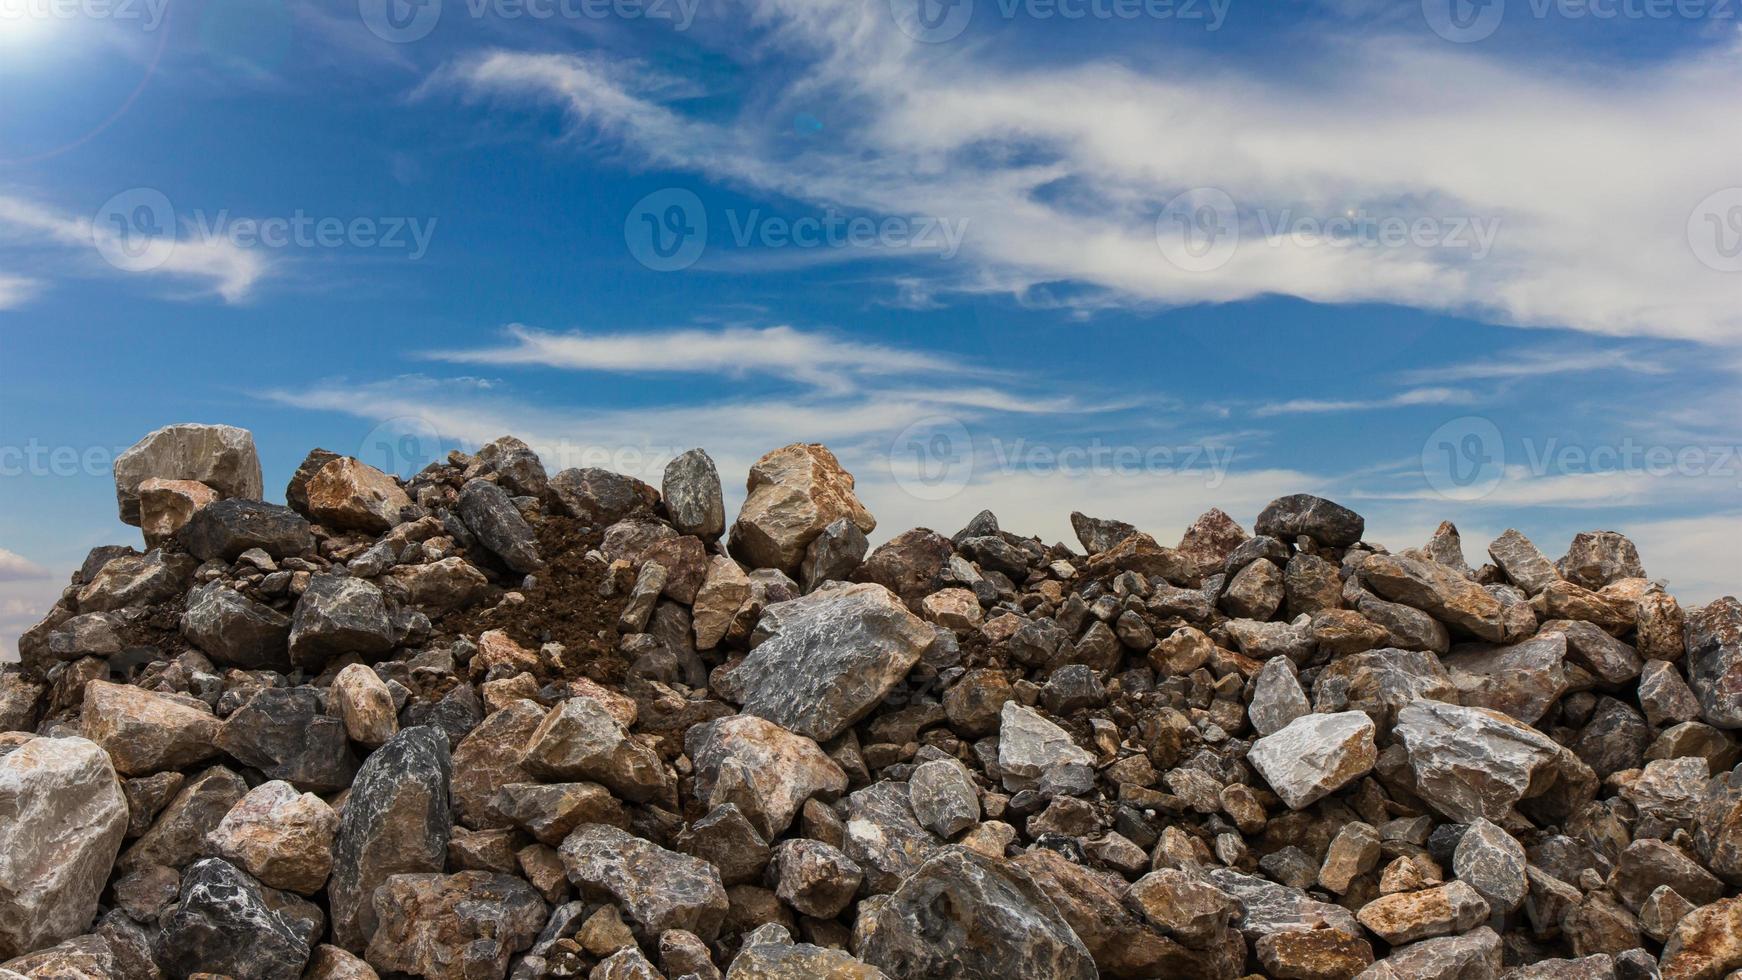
{"points": [[394, 822], [222, 457]]}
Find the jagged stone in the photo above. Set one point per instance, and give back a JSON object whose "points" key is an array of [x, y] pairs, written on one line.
{"points": [[1714, 658], [227, 528], [1029, 747], [964, 915], [579, 740], [225, 924], [235, 630], [767, 771], [656, 888], [395, 821], [1331, 525], [64, 817], [284, 733], [1473, 762], [179, 833], [793, 494], [281, 837], [222, 457], [366, 705], [145, 732], [1438, 591], [337, 615], [346, 493], [463, 926], [1315, 755], [489, 513], [829, 658]]}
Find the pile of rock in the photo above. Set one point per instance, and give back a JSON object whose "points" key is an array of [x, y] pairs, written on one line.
{"points": [[492, 722]]}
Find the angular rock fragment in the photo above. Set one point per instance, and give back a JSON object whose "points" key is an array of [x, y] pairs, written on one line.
{"points": [[1315, 755], [691, 488], [657, 889], [794, 493], [1436, 590], [488, 512], [233, 629], [463, 926], [829, 658], [348, 494], [767, 771], [284, 733], [166, 506], [281, 837], [225, 924], [145, 732], [220, 456], [228, 528], [968, 916], [600, 497], [579, 740], [64, 816], [1329, 524], [338, 615], [395, 821], [1473, 762]]}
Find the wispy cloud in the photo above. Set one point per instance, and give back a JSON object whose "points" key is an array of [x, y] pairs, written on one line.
{"points": [[950, 132], [1538, 362], [17, 568], [15, 291], [1417, 396], [78, 245], [780, 351]]}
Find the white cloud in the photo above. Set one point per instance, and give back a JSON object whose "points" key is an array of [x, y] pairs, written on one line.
{"points": [[1418, 396], [15, 567], [15, 291], [781, 351], [215, 264], [940, 130], [1695, 556], [1538, 362]]}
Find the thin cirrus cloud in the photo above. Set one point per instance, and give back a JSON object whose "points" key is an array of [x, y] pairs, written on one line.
{"points": [[782, 351], [1538, 362], [1416, 396], [76, 245], [1526, 229], [15, 291]]}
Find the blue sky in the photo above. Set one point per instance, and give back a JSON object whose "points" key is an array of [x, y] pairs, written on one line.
{"points": [[1133, 257]]}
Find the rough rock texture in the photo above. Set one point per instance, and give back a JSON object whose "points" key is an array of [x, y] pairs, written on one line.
{"points": [[1315, 755], [656, 888], [62, 815], [222, 457], [453, 927], [794, 493], [829, 658], [395, 821], [965, 915], [1293, 754]]}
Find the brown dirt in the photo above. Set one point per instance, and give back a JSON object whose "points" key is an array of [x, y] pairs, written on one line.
{"points": [[565, 607]]}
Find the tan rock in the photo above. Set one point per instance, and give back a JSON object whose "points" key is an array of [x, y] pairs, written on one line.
{"points": [[1408, 916], [724, 591], [280, 836], [165, 506], [145, 732], [333, 963], [349, 494], [1706, 943], [62, 817], [794, 492], [767, 771], [221, 456], [1313, 954], [955, 609], [579, 740], [366, 705]]}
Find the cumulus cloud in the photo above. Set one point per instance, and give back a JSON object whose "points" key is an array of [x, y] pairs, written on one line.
{"points": [[1501, 209]]}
